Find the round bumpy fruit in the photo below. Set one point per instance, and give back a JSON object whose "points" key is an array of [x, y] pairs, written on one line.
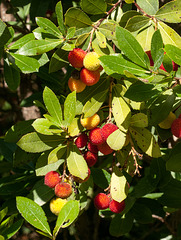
{"points": [[76, 57], [90, 122], [63, 190], [88, 77], [116, 207], [96, 137], [104, 148], [91, 61], [176, 128], [101, 201], [56, 205], [51, 179], [81, 141], [76, 85], [79, 180], [167, 122], [107, 129], [91, 158], [92, 148]]}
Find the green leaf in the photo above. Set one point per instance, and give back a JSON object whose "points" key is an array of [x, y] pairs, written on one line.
{"points": [[128, 15], [156, 44], [56, 154], [13, 229], [67, 215], [33, 213], [11, 75], [146, 141], [93, 105], [101, 177], [42, 166], [25, 64], [70, 32], [41, 193], [142, 213], [53, 105], [159, 59], [3, 213], [130, 46], [102, 51], [5, 34], [119, 186], [93, 6], [120, 109], [162, 106], [75, 127], [69, 108], [149, 6], [169, 35], [170, 12], [108, 29], [77, 165], [59, 13], [36, 142], [58, 60], [140, 91], [22, 41], [43, 126], [75, 17], [37, 47], [139, 120], [173, 163], [116, 140], [48, 26], [174, 53], [101, 39], [136, 22], [81, 39]]}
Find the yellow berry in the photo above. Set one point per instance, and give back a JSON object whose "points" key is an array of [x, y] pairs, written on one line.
{"points": [[56, 205], [91, 61], [76, 85], [90, 122], [167, 122], [129, 1]]}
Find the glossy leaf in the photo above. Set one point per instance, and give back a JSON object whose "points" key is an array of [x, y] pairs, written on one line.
{"points": [[156, 44], [116, 140], [67, 215], [130, 46], [81, 39], [159, 59], [36, 142], [101, 177], [108, 29], [173, 163], [101, 39], [174, 53], [77, 165], [53, 105], [119, 187], [59, 13], [56, 154], [13, 229], [139, 120], [11, 75], [170, 12], [149, 6], [3, 213], [128, 15], [58, 60], [102, 51], [5, 34], [43, 126], [137, 22], [37, 47], [75, 17], [33, 213], [146, 141], [75, 127], [22, 41], [120, 109], [48, 26], [93, 105], [70, 32], [93, 6], [69, 108], [142, 213], [26, 64]]}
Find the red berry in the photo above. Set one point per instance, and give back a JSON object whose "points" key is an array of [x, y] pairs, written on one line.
{"points": [[101, 201], [104, 148], [76, 57], [63, 190], [91, 158], [96, 137], [51, 179], [176, 128], [89, 77], [92, 148], [81, 140], [107, 129], [116, 207]]}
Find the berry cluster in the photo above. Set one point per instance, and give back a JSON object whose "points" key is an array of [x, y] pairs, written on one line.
{"points": [[89, 68], [103, 201]]}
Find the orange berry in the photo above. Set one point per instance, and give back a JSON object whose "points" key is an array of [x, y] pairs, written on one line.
{"points": [[176, 128], [51, 179], [90, 122], [79, 180], [107, 129], [91, 61], [116, 207], [76, 57], [63, 190], [89, 77], [76, 85], [81, 140], [101, 201], [104, 148], [91, 158], [96, 137]]}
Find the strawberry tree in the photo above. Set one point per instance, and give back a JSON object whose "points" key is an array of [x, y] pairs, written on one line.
{"points": [[108, 137]]}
